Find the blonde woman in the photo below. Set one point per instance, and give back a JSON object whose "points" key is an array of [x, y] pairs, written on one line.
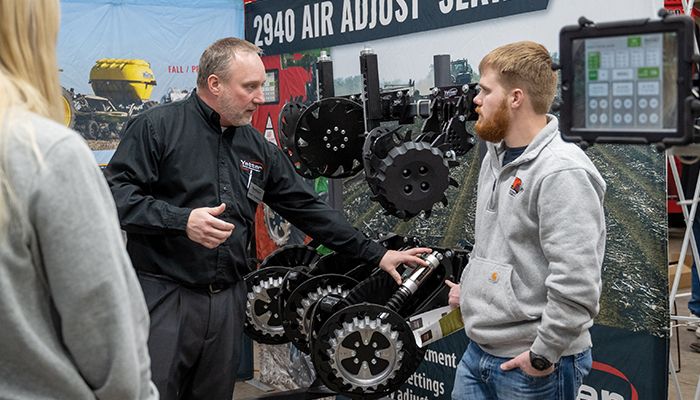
{"points": [[73, 322]]}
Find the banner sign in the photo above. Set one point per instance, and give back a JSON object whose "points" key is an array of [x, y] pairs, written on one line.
{"points": [[435, 376], [290, 26], [620, 371]]}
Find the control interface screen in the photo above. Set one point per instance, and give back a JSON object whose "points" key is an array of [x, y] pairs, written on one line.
{"points": [[626, 83]]}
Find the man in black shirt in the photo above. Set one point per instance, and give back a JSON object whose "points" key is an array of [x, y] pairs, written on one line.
{"points": [[186, 179]]}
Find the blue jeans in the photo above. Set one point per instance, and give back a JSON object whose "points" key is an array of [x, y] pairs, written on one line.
{"points": [[479, 377], [694, 302]]}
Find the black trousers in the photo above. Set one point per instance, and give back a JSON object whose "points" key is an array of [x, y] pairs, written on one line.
{"points": [[195, 338]]}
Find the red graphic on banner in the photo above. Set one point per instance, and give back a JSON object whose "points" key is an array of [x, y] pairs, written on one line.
{"points": [[609, 369]]}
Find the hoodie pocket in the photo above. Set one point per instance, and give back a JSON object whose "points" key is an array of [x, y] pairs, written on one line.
{"points": [[487, 298]]}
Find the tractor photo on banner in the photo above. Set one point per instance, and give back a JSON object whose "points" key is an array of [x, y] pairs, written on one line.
{"points": [[118, 59]]}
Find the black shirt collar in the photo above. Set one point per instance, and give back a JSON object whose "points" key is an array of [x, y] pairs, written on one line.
{"points": [[208, 113], [211, 116]]}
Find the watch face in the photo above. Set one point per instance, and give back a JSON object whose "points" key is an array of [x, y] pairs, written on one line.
{"points": [[538, 362]]}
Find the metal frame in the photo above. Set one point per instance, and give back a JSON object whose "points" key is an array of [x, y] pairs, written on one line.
{"points": [[688, 238]]}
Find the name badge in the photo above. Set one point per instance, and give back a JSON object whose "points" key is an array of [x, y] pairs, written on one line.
{"points": [[255, 193]]}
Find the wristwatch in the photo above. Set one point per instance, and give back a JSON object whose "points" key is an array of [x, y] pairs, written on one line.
{"points": [[538, 362]]}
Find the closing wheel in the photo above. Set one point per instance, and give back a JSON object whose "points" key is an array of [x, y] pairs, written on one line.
{"points": [[278, 228], [365, 350], [412, 178], [329, 136], [296, 308], [263, 320], [288, 117]]}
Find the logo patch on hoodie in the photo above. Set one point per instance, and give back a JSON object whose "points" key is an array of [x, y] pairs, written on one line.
{"points": [[516, 187]]}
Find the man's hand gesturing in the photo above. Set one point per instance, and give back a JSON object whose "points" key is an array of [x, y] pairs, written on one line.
{"points": [[204, 228]]}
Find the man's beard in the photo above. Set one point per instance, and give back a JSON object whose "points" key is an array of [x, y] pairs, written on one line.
{"points": [[494, 129], [228, 111]]}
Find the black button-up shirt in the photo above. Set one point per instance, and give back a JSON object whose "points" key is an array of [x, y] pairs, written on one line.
{"points": [[174, 158]]}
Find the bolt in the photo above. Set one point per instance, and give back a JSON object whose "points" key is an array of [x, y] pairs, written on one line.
{"points": [[328, 131], [325, 138], [342, 131], [374, 345], [356, 361], [342, 146], [335, 129], [335, 148], [357, 344], [345, 139], [328, 145], [374, 361]]}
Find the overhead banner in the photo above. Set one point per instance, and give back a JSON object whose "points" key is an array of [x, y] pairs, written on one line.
{"points": [[290, 26]]}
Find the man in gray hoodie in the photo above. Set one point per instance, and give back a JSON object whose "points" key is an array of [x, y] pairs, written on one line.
{"points": [[531, 289]]}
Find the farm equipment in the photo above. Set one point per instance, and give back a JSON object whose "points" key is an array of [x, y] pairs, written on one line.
{"points": [[348, 316], [122, 88]]}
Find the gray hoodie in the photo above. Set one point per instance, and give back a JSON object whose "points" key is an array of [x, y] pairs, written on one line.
{"points": [[73, 321], [533, 279]]}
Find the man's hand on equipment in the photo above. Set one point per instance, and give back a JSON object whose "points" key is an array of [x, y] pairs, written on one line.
{"points": [[453, 296], [393, 258], [522, 361], [204, 228]]}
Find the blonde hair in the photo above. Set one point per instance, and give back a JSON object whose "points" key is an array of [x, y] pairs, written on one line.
{"points": [[216, 58], [525, 65], [28, 72]]}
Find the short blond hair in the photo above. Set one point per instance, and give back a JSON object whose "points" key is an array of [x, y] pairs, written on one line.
{"points": [[525, 65], [216, 58]]}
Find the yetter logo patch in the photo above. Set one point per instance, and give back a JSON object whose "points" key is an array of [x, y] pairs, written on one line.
{"points": [[252, 166], [516, 187]]}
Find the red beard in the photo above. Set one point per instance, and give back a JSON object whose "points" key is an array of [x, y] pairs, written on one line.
{"points": [[494, 129]]}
